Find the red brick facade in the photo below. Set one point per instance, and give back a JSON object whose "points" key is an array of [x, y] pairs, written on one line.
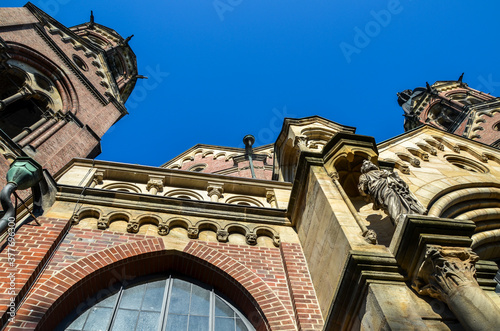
{"points": [[271, 286]]}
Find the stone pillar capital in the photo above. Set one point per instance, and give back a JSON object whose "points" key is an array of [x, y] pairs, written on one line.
{"points": [[271, 198], [444, 269], [155, 184], [98, 178], [215, 191]]}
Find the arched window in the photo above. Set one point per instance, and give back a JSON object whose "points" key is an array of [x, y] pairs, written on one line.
{"points": [[158, 304]]}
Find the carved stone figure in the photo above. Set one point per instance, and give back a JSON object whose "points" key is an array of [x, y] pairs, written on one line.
{"points": [[388, 192]]}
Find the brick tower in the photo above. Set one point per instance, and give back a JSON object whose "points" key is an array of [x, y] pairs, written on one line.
{"points": [[61, 88], [454, 107]]}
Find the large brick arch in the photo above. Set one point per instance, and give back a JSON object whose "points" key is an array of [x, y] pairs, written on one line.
{"points": [[56, 296]]}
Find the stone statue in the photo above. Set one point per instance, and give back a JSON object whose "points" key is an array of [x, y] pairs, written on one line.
{"points": [[388, 192]]}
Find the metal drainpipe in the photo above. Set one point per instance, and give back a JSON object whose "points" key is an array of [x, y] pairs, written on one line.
{"points": [[248, 140]]}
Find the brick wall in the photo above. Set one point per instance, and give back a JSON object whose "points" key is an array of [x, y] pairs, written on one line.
{"points": [[275, 280]]}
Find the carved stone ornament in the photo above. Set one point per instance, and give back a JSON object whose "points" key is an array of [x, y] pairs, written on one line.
{"points": [[301, 141], [444, 269], [214, 189], [102, 224], [484, 157], [370, 237], [163, 229], [75, 219], [388, 192], [155, 183], [192, 232], [277, 240], [251, 239], [415, 162], [424, 156], [222, 236], [133, 227]]}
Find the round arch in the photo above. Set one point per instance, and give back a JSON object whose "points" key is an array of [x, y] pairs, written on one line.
{"points": [[68, 288]]}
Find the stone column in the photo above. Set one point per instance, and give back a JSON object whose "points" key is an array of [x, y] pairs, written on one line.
{"points": [[215, 191], [271, 198], [25, 91], [27, 131], [448, 274], [155, 185], [97, 180]]}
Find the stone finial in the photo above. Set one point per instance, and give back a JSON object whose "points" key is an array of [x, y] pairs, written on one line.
{"points": [[444, 269], [215, 191]]}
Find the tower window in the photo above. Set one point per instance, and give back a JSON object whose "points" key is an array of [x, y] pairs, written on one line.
{"points": [[159, 304]]}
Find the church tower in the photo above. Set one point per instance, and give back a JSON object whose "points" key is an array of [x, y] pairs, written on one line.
{"points": [[453, 107], [61, 88]]}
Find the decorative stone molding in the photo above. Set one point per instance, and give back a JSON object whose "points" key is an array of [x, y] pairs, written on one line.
{"points": [[271, 198], [251, 238], [215, 191], [193, 232], [222, 236], [444, 269], [155, 185]]}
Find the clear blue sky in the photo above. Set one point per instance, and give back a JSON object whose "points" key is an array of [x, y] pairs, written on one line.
{"points": [[219, 70]]}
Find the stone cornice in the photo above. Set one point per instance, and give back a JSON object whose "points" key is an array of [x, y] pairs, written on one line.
{"points": [[170, 205], [179, 178]]}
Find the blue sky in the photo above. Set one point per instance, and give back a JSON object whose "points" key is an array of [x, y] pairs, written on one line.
{"points": [[219, 70]]}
